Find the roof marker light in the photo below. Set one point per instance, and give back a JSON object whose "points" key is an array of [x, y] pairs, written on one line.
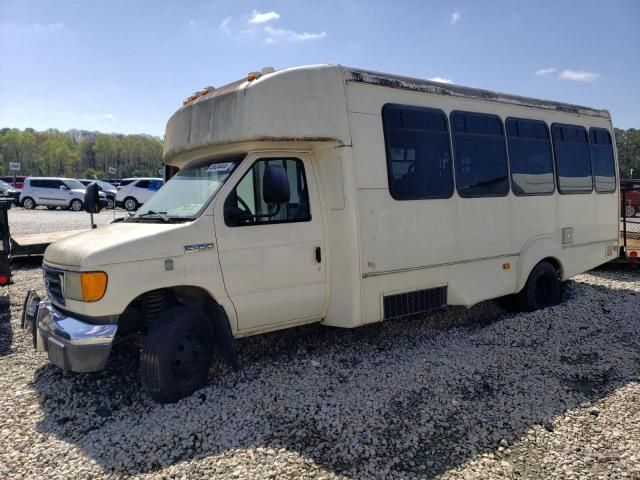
{"points": [[252, 76]]}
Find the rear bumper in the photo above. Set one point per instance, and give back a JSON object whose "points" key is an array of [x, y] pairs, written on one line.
{"points": [[70, 343]]}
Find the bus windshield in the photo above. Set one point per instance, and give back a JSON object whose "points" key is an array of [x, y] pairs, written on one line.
{"points": [[187, 192]]}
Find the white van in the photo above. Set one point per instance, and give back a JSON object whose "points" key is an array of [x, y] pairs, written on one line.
{"points": [[52, 192], [334, 195]]}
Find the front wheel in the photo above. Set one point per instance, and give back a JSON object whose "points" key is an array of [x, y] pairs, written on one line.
{"points": [[630, 211], [130, 204], [542, 289], [75, 205], [176, 354], [28, 203]]}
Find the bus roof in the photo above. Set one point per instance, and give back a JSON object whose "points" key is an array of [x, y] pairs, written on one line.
{"points": [[270, 106]]}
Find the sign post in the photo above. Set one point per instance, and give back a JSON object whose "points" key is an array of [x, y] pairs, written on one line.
{"points": [[14, 167]]}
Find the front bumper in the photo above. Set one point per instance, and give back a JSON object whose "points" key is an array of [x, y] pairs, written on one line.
{"points": [[70, 343]]}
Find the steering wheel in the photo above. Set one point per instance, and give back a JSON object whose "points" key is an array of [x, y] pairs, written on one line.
{"points": [[246, 209]]}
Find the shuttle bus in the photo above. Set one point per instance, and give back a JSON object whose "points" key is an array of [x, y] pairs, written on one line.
{"points": [[334, 195]]}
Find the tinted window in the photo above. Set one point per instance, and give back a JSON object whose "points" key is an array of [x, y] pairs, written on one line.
{"points": [[603, 164], [126, 182], [573, 165], [480, 155], [155, 185], [142, 184], [418, 152], [245, 205], [530, 157], [38, 183]]}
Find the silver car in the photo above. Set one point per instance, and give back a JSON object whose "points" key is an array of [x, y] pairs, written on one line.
{"points": [[53, 192]]}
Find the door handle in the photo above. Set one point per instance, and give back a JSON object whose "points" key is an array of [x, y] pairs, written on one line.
{"points": [[318, 255]]}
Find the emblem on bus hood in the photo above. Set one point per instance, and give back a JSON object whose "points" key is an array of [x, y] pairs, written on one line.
{"points": [[197, 247]]}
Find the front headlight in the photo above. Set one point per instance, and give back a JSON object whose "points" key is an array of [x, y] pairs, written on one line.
{"points": [[85, 286]]}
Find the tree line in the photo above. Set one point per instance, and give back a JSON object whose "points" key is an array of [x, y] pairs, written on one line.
{"points": [[84, 154], [79, 153]]}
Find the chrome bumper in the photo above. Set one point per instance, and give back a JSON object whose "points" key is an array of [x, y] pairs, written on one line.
{"points": [[71, 343]]}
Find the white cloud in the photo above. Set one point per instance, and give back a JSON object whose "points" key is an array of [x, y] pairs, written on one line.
{"points": [[99, 116], [279, 34], [192, 22], [543, 72], [441, 80], [224, 26], [579, 76], [455, 17], [257, 17], [50, 27]]}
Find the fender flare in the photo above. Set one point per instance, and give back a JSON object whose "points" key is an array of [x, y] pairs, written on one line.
{"points": [[536, 249]]}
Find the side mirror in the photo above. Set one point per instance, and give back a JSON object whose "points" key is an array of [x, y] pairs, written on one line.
{"points": [[275, 185], [92, 199]]}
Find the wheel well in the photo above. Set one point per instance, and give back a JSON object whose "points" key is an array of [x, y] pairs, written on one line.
{"points": [[140, 314], [553, 261]]}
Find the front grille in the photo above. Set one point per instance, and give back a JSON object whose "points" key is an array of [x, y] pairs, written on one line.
{"points": [[410, 303], [53, 279]]}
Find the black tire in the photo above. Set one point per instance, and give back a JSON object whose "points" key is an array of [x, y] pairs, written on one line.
{"points": [[509, 303], [130, 204], [75, 205], [176, 354], [542, 289], [111, 204], [28, 203]]}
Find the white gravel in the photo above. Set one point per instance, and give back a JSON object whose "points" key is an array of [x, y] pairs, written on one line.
{"points": [[41, 220], [459, 394]]}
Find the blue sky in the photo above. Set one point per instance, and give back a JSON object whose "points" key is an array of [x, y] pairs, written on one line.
{"points": [[125, 66]]}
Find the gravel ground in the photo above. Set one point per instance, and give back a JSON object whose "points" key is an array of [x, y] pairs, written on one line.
{"points": [[459, 394], [41, 220]]}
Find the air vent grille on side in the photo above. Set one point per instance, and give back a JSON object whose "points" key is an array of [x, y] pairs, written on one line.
{"points": [[410, 303]]}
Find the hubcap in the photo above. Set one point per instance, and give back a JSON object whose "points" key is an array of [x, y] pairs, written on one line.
{"points": [[28, 203], [188, 354], [630, 211], [130, 204], [75, 206]]}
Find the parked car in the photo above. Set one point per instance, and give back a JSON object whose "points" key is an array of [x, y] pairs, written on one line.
{"points": [[109, 190], [16, 182], [632, 196], [53, 192], [8, 191], [133, 192]]}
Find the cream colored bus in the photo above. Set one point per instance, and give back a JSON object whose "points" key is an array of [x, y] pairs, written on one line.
{"points": [[334, 195]]}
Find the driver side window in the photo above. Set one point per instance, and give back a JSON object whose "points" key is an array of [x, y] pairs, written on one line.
{"points": [[245, 205]]}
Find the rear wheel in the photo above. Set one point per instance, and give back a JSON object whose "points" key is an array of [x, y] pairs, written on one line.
{"points": [[176, 354], [130, 204], [75, 205], [542, 289], [28, 203]]}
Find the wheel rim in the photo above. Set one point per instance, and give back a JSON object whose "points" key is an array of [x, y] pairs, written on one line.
{"points": [[28, 203], [130, 204], [187, 357], [544, 290], [630, 211], [76, 206]]}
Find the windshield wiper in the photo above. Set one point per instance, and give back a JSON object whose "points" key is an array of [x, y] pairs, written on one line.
{"points": [[162, 215]]}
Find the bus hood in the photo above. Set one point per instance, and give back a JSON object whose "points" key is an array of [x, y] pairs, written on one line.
{"points": [[118, 243]]}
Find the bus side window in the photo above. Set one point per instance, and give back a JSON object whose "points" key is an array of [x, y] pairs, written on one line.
{"points": [[603, 164], [573, 162], [418, 152], [480, 155], [530, 157]]}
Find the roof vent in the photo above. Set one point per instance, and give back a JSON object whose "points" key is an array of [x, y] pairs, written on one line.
{"points": [[267, 70]]}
